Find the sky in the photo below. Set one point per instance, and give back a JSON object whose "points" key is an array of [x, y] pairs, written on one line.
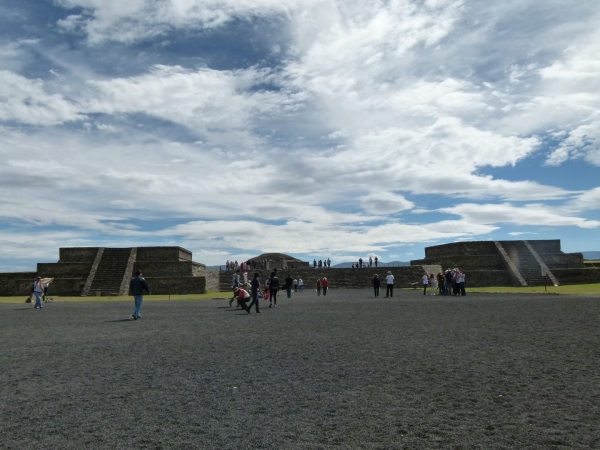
{"points": [[316, 128]]}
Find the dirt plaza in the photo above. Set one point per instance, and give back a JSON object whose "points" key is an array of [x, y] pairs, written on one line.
{"points": [[488, 371]]}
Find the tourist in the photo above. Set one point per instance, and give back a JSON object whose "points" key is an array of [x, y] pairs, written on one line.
{"points": [[328, 263], [318, 287], [315, 263], [389, 280], [273, 288], [460, 281], [376, 283], [255, 286], [320, 264], [234, 284], [137, 286], [242, 296], [370, 261], [360, 262], [295, 285], [227, 265], [324, 285], [289, 282], [425, 280], [300, 284], [440, 282], [38, 291], [448, 282], [245, 278], [454, 281], [376, 259], [431, 284]]}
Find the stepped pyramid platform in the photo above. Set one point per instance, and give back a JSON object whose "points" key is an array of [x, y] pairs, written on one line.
{"points": [[512, 263], [99, 271]]}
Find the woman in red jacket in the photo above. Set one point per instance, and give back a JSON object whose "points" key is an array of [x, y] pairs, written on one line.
{"points": [[325, 285]]}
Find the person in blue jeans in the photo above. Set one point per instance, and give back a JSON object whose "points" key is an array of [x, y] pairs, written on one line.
{"points": [[38, 290], [255, 286], [137, 286]]}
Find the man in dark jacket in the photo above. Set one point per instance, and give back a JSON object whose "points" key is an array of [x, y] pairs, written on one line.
{"points": [[255, 285], [137, 286], [289, 282], [273, 288]]}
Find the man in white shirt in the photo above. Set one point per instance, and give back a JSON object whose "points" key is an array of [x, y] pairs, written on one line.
{"points": [[389, 280], [425, 283]]}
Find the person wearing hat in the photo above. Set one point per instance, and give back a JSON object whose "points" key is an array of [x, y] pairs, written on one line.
{"points": [[38, 290], [376, 284], [389, 280], [242, 296]]}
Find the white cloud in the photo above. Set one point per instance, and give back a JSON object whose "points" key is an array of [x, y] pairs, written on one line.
{"points": [[534, 214], [384, 203], [24, 100]]}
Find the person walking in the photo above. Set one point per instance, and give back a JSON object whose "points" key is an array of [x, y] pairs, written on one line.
{"points": [[425, 279], [295, 285], [376, 259], [300, 284], [370, 261], [38, 291], [325, 285], [318, 287], [289, 282], [273, 288], [389, 280], [137, 286], [376, 284], [254, 287]]}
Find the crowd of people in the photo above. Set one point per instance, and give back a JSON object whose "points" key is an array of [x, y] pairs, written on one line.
{"points": [[450, 282]]}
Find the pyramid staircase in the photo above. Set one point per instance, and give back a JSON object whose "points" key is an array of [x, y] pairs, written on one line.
{"points": [[113, 269], [529, 267]]}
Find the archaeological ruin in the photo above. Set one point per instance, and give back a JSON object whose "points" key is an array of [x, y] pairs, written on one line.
{"points": [[512, 263], [99, 271]]}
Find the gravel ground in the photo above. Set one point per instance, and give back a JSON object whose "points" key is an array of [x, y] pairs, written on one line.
{"points": [[346, 371]]}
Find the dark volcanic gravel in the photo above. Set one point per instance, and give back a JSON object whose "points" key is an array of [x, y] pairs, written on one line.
{"points": [[346, 371]]}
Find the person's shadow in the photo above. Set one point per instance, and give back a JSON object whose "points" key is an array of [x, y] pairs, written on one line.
{"points": [[120, 320]]}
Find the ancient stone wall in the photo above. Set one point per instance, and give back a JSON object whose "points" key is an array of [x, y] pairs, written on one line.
{"points": [[577, 276], [562, 260], [163, 254], [338, 278], [16, 283], [467, 262], [176, 285], [545, 246], [461, 248], [77, 254], [168, 268], [69, 270]]}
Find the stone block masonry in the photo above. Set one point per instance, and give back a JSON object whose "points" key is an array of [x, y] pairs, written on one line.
{"points": [[79, 271]]}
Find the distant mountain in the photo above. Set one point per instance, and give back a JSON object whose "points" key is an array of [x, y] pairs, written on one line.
{"points": [[347, 265], [591, 255]]}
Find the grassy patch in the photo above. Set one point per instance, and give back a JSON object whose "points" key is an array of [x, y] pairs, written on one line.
{"points": [[575, 289], [123, 298]]}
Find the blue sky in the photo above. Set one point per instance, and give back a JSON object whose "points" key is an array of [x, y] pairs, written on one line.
{"points": [[317, 128]]}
